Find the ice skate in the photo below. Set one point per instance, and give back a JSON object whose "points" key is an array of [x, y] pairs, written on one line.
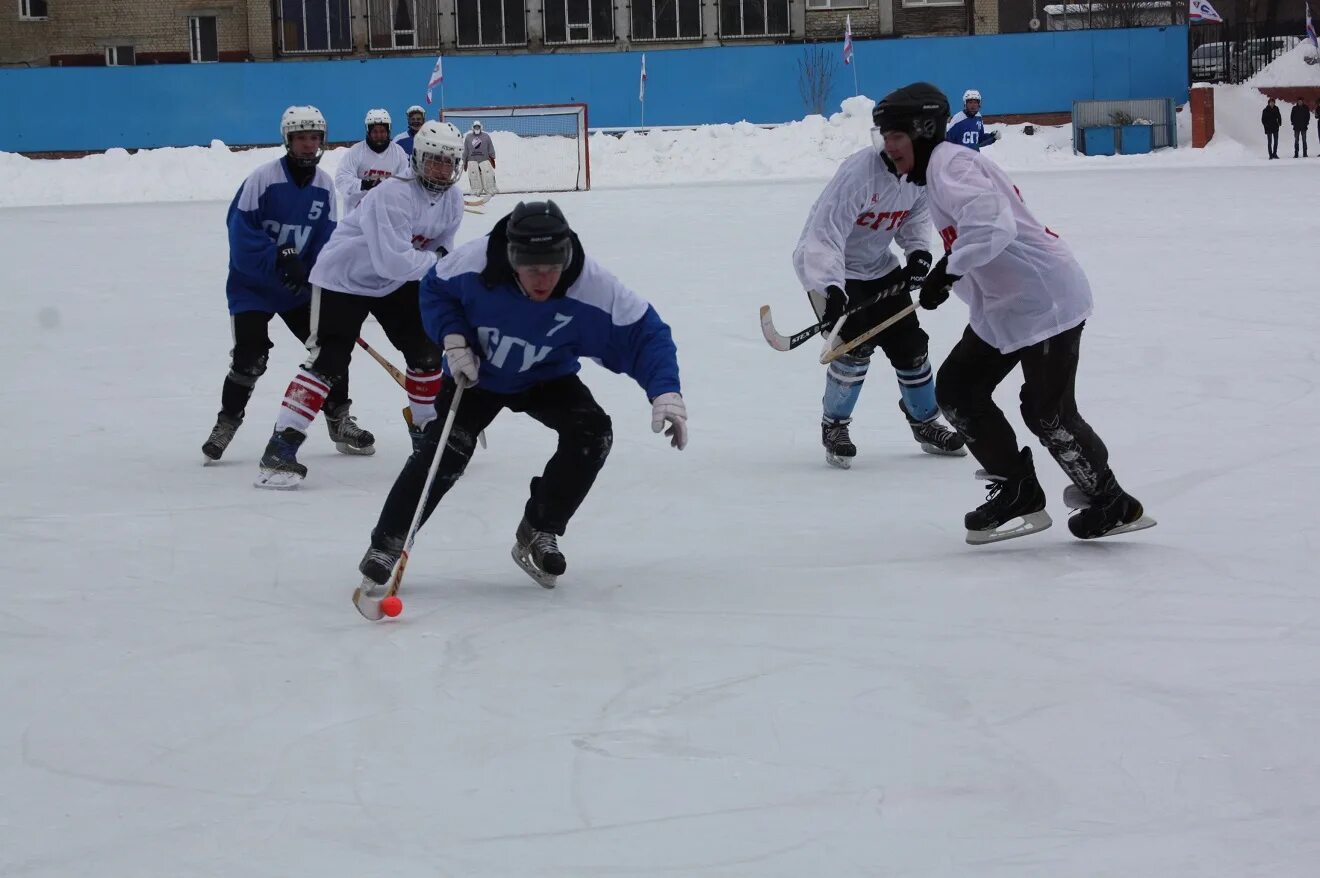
{"points": [[221, 435], [934, 437], [1008, 498], [280, 469], [377, 565], [1113, 512], [839, 447], [537, 553], [344, 431]]}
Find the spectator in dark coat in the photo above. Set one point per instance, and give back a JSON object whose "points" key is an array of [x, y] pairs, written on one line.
{"points": [[1301, 121], [1272, 120]]}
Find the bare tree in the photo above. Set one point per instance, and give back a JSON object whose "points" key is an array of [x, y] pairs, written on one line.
{"points": [[816, 70]]}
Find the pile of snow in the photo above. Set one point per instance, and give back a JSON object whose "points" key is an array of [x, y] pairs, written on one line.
{"points": [[807, 149], [1290, 69]]}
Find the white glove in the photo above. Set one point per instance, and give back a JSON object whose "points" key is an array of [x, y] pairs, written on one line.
{"points": [[669, 408], [464, 365]]}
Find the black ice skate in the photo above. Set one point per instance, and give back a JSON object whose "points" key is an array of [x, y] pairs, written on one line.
{"points": [[1113, 511], [537, 553], [935, 438], [344, 431], [839, 447], [221, 435], [378, 565], [1008, 498], [280, 469]]}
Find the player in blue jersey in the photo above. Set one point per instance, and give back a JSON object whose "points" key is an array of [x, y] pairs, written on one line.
{"points": [[516, 312], [278, 222], [967, 128], [416, 119]]}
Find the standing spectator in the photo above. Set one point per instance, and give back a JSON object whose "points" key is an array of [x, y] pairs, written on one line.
{"points": [[1301, 120], [1272, 120]]}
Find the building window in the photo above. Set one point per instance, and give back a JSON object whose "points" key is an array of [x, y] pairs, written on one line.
{"points": [[837, 4], [33, 10], [753, 18], [202, 38], [487, 23], [315, 26], [578, 21], [119, 56], [403, 24], [666, 20], [923, 4]]}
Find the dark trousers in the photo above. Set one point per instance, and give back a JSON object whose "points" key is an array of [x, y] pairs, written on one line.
{"points": [[1299, 137], [337, 320], [969, 377], [251, 353], [565, 405], [905, 343], [1272, 143]]}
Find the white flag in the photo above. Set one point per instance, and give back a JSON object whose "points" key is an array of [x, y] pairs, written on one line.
{"points": [[641, 86], [1201, 12], [437, 77]]}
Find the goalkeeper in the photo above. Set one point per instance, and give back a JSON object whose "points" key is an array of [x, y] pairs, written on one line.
{"points": [[479, 160]]}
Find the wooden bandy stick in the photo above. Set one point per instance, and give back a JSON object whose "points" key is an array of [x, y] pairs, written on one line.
{"points": [[834, 353]]}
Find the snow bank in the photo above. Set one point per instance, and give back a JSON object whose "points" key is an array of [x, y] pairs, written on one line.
{"points": [[807, 149], [1290, 69]]}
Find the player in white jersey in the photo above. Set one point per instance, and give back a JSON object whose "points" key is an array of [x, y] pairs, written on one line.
{"points": [[479, 159], [369, 162], [1029, 300], [843, 258], [371, 265]]}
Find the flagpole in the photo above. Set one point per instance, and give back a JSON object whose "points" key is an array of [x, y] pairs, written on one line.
{"points": [[856, 89]]}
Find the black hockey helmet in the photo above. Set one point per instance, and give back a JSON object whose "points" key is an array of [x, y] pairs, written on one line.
{"points": [[919, 110], [538, 234]]}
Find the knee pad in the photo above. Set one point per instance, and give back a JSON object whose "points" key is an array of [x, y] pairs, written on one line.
{"points": [[244, 370], [595, 436], [427, 360], [906, 345]]}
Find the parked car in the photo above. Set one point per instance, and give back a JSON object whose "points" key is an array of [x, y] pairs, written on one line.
{"points": [[1210, 62]]}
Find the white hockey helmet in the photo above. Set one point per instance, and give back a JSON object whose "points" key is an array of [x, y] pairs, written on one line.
{"points": [[437, 156], [304, 118], [416, 109], [971, 95]]}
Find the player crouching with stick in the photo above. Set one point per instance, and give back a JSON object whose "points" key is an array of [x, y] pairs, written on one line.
{"points": [[516, 311]]}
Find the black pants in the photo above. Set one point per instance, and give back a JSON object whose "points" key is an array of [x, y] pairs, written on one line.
{"points": [[251, 353], [905, 343], [565, 405], [337, 323], [1299, 137], [1272, 143], [969, 377]]}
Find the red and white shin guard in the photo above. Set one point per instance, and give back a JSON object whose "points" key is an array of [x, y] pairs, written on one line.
{"points": [[423, 387], [302, 401]]}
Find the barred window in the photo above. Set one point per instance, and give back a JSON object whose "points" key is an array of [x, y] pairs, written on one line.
{"points": [[753, 18], [838, 4], [31, 10], [119, 56], [666, 20], [486, 23], [403, 24], [578, 21], [315, 26]]}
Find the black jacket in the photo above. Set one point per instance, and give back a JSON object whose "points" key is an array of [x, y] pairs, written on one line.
{"points": [[1272, 119], [1301, 117]]}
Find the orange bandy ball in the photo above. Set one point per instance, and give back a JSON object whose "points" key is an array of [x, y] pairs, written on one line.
{"points": [[391, 606]]}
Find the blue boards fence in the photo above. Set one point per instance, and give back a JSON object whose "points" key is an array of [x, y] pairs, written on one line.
{"points": [[91, 108]]}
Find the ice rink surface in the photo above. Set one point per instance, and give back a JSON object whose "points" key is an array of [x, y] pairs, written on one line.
{"points": [[755, 666]]}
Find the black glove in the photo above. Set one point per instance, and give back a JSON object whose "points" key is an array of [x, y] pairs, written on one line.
{"points": [[918, 266], [990, 138], [370, 183], [935, 288], [836, 302], [290, 268]]}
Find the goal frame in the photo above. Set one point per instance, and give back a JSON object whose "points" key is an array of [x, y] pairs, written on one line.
{"points": [[506, 111]]}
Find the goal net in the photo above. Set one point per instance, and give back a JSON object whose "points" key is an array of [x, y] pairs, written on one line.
{"points": [[538, 148]]}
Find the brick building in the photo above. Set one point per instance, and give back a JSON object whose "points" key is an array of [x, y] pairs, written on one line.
{"points": [[110, 32]]}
